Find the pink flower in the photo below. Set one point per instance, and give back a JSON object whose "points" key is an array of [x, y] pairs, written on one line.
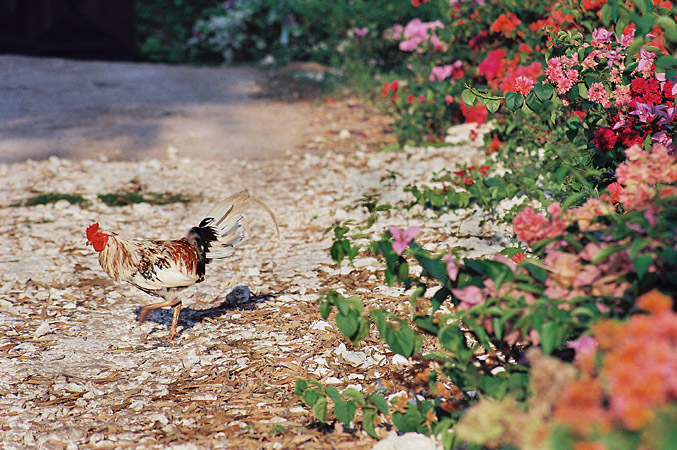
{"points": [[530, 226], [440, 73], [402, 238], [452, 267], [418, 32], [584, 345], [524, 85], [597, 93], [469, 296], [361, 31]]}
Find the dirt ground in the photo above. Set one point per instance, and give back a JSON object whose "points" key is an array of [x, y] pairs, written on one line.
{"points": [[131, 111], [78, 372]]}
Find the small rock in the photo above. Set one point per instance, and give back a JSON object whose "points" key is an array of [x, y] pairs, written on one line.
{"points": [[399, 359], [189, 359], [344, 134], [406, 442], [238, 296], [42, 330], [320, 325]]}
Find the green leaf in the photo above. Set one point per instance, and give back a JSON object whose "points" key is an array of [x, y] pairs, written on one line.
{"points": [[348, 324], [368, 418], [583, 90], [513, 100], [345, 411], [453, 339], [310, 396], [336, 252], [498, 272], [300, 387], [426, 323], [320, 409], [606, 252], [642, 264], [536, 270], [362, 331], [355, 395], [380, 402], [544, 92], [636, 246], [468, 97], [549, 332], [434, 266], [533, 102], [403, 272], [493, 105], [408, 421], [325, 308], [333, 393], [644, 24]]}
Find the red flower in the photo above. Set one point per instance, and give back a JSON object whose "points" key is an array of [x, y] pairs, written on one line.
{"points": [[494, 65], [629, 137], [495, 145], [506, 24], [605, 139], [484, 170], [410, 98], [448, 99], [460, 173], [518, 258], [395, 85], [579, 114], [477, 113], [468, 181]]}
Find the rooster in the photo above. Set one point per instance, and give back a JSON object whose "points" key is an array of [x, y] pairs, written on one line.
{"points": [[163, 268]]}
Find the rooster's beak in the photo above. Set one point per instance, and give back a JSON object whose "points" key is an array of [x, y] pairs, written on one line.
{"points": [[89, 242]]}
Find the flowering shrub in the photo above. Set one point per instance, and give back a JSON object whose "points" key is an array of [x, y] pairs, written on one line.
{"points": [[602, 403], [585, 138]]}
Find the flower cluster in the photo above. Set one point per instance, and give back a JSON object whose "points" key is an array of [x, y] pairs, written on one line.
{"points": [[616, 393], [416, 34]]}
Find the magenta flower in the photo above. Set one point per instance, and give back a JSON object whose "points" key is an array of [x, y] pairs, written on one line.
{"points": [[402, 238], [452, 267], [361, 31], [469, 296], [601, 36]]}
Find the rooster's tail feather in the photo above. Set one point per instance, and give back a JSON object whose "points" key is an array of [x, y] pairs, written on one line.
{"points": [[224, 227]]}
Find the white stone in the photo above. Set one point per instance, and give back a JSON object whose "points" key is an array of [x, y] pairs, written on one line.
{"points": [[408, 441], [42, 330]]}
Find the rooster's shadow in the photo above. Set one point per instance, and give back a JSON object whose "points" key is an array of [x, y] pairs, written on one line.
{"points": [[190, 316]]}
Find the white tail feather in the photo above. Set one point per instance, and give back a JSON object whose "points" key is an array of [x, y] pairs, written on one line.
{"points": [[227, 222]]}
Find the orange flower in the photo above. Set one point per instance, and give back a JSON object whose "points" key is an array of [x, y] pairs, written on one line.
{"points": [[607, 333], [655, 302], [580, 405]]}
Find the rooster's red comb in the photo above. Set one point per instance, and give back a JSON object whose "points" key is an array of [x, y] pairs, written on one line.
{"points": [[91, 230]]}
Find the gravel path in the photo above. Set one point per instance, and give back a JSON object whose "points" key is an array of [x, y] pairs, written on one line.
{"points": [[77, 371]]}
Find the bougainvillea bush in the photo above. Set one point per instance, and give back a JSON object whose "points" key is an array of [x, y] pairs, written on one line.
{"points": [[568, 340]]}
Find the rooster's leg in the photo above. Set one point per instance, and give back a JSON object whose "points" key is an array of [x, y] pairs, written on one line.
{"points": [[174, 303]]}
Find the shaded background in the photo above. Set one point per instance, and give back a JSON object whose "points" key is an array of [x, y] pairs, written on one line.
{"points": [[100, 29]]}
